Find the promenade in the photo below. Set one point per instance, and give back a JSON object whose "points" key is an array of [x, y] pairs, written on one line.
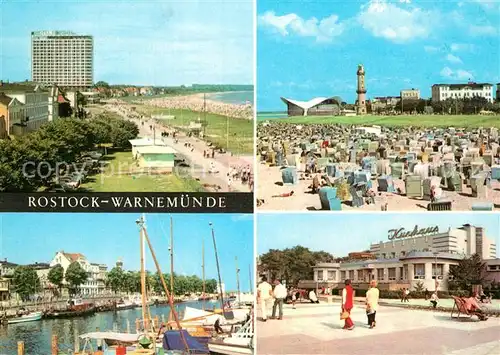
{"points": [[317, 329], [194, 155]]}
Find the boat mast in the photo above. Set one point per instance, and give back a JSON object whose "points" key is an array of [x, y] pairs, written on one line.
{"points": [[237, 278], [164, 284], [203, 269], [171, 264], [171, 256], [250, 277], [142, 224], [218, 270]]}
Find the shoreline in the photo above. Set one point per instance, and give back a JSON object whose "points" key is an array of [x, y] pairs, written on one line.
{"points": [[196, 102]]}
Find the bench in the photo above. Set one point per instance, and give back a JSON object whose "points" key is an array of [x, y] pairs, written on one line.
{"points": [[460, 306]]}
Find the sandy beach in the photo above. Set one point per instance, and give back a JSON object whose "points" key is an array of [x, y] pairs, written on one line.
{"points": [[269, 184], [197, 103]]}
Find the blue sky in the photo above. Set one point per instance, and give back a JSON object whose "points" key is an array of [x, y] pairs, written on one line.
{"points": [[312, 48], [342, 233], [104, 238], [140, 42]]}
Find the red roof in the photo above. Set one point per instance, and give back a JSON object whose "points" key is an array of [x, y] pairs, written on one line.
{"points": [[73, 256]]}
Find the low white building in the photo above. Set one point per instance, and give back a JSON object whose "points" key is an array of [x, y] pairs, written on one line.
{"points": [[410, 257], [441, 92], [95, 284]]}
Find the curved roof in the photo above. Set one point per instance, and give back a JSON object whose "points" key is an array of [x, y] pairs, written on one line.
{"points": [[311, 103]]}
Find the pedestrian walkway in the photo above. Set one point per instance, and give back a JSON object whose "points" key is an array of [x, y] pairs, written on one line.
{"points": [[317, 329], [200, 166]]}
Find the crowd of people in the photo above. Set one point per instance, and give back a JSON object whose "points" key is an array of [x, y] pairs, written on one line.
{"points": [[279, 294], [198, 104]]}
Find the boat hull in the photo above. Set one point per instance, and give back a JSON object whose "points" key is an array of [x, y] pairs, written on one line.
{"points": [[229, 349], [29, 318]]}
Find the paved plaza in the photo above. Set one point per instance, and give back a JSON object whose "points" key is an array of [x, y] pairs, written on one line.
{"points": [[317, 329]]}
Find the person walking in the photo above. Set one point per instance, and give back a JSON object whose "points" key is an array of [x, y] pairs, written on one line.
{"points": [[312, 297], [279, 297], [348, 304], [293, 297], [434, 299], [264, 294], [372, 297], [407, 293]]}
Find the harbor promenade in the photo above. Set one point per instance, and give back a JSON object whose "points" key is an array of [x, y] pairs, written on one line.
{"points": [[317, 329]]}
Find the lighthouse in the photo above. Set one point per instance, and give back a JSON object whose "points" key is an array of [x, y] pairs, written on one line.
{"points": [[361, 91]]}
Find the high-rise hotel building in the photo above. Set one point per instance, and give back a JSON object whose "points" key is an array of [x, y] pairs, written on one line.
{"points": [[63, 58]]}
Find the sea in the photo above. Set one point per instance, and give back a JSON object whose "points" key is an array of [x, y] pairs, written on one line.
{"points": [[264, 116], [37, 335], [232, 97]]}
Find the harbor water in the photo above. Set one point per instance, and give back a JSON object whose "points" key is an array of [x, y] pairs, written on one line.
{"points": [[37, 335], [233, 97]]}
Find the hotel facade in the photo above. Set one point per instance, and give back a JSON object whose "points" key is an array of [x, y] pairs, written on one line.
{"points": [[63, 58], [409, 257]]}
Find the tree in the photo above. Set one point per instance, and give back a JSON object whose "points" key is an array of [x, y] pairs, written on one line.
{"points": [[469, 271], [210, 286], [293, 264], [75, 276], [114, 279], [101, 84], [25, 282], [419, 287], [56, 276]]}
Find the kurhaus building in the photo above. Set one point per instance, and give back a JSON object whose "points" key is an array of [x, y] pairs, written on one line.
{"points": [[409, 256]]}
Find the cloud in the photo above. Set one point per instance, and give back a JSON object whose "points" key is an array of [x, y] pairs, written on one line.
{"points": [[453, 59], [459, 47], [459, 74], [390, 21], [431, 49], [323, 30], [482, 30], [487, 4]]}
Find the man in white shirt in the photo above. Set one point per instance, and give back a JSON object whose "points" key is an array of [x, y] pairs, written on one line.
{"points": [[264, 294], [279, 296]]}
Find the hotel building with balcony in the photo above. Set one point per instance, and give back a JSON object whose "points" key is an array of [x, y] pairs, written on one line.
{"points": [[62, 58], [420, 256]]}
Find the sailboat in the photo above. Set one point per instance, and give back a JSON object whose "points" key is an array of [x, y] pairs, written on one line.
{"points": [[148, 341], [239, 343]]}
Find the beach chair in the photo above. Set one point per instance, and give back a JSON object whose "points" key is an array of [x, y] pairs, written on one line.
{"points": [[357, 196], [459, 305]]}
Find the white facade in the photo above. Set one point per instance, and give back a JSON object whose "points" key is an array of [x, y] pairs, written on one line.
{"points": [[96, 272], [410, 257], [441, 92], [63, 58], [463, 241], [35, 101]]}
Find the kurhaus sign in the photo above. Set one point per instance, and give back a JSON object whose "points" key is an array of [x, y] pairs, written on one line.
{"points": [[401, 233]]}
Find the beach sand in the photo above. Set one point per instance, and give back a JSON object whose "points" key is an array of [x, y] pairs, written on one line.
{"points": [[267, 186]]}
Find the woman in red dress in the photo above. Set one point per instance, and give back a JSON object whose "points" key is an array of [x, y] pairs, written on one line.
{"points": [[347, 304]]}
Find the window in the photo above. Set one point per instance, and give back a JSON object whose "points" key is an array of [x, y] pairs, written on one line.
{"points": [[332, 275], [419, 271], [320, 274], [437, 270], [392, 273], [342, 275], [351, 274], [380, 274], [360, 275]]}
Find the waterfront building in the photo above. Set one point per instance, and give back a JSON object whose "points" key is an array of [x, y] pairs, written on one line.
{"points": [[410, 94], [63, 58], [7, 268], [498, 93], [95, 284], [410, 257], [4, 289], [441, 92], [319, 106], [35, 100]]}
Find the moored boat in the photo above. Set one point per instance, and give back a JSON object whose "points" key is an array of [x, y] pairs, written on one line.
{"points": [[29, 317]]}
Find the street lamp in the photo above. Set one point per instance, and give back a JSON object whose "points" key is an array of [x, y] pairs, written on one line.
{"points": [[435, 270]]}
